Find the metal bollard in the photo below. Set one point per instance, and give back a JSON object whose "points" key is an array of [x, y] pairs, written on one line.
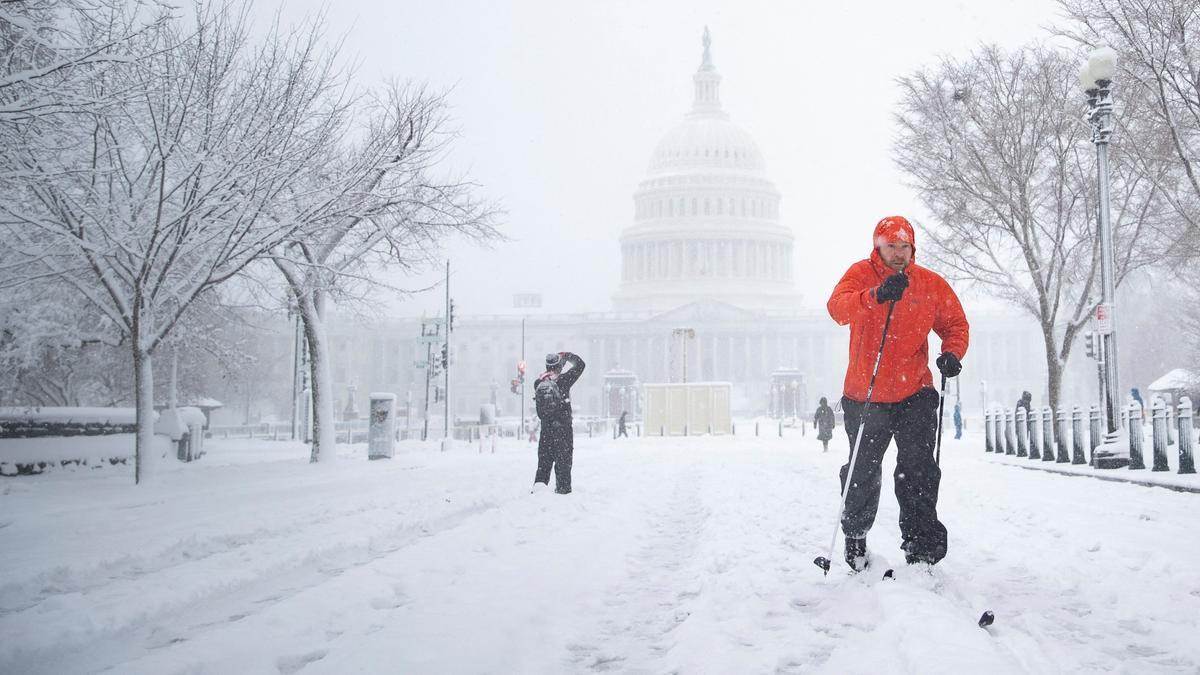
{"points": [[756, 428], [1047, 434], [1094, 432], [1134, 418], [1158, 425], [732, 429], [1171, 424], [988, 443], [662, 430], [1077, 457], [781, 428], [685, 430], [1031, 429], [1187, 463], [710, 429], [1022, 432], [998, 416], [1060, 433], [1010, 445]]}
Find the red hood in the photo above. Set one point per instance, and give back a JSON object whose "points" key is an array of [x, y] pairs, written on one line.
{"points": [[890, 229]]}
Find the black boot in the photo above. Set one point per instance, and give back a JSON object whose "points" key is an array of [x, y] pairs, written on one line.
{"points": [[856, 553]]}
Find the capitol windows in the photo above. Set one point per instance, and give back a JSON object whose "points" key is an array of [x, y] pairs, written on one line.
{"points": [[706, 207], [694, 204], [720, 207], [671, 208]]}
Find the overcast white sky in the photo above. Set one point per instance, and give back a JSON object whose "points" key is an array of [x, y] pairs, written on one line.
{"points": [[560, 104]]}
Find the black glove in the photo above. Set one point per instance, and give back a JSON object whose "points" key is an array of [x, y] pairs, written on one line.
{"points": [[949, 364], [892, 288]]}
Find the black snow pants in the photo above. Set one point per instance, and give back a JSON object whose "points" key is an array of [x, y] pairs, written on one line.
{"points": [[913, 423], [556, 448]]}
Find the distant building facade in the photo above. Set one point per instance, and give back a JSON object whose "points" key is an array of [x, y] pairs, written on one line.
{"points": [[706, 251]]}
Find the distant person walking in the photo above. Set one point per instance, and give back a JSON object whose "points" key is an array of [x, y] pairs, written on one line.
{"points": [[621, 430], [957, 420], [1137, 397], [824, 421], [1025, 402], [552, 400]]}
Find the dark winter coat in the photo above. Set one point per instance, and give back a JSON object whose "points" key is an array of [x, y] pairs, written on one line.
{"points": [[824, 421], [1023, 402], [557, 433]]}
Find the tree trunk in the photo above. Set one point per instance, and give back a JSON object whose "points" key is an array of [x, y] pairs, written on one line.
{"points": [[1054, 367], [143, 454], [324, 447]]}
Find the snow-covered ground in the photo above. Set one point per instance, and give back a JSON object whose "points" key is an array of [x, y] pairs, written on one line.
{"points": [[672, 555]]}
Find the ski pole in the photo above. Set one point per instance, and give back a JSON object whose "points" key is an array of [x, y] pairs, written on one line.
{"points": [[821, 561], [937, 458]]}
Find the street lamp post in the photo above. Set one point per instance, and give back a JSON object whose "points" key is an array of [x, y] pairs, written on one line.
{"points": [[1096, 80], [686, 334]]}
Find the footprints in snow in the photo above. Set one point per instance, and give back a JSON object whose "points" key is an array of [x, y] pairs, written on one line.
{"points": [[291, 664]]}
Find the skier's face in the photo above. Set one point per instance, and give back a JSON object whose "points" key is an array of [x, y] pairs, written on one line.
{"points": [[896, 254]]}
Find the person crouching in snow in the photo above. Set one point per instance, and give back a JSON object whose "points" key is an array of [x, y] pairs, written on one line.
{"points": [[552, 400], [904, 402]]}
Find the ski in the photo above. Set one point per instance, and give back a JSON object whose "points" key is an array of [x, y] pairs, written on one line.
{"points": [[986, 619]]}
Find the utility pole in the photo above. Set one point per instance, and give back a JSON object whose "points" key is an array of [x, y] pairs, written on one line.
{"points": [[522, 376], [428, 376], [297, 376], [446, 365], [686, 334]]}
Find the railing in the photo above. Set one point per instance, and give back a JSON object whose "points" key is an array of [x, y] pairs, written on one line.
{"points": [[1062, 442]]}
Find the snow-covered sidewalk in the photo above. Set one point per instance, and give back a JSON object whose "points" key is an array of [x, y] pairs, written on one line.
{"points": [[672, 555]]}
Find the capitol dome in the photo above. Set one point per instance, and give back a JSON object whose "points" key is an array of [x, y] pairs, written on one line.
{"points": [[707, 142], [706, 217]]}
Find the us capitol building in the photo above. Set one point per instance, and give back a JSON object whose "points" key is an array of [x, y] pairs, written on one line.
{"points": [[707, 293]]}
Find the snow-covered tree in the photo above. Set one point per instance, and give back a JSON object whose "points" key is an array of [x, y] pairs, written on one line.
{"points": [[145, 205], [52, 51], [997, 149], [379, 208], [1157, 94]]}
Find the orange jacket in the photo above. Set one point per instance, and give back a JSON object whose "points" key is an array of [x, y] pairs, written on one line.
{"points": [[927, 304]]}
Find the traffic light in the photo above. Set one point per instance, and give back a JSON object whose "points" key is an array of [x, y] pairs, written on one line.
{"points": [[515, 385], [445, 356], [450, 325], [1091, 344]]}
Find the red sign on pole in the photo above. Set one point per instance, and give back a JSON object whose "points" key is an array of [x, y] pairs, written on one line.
{"points": [[1104, 323]]}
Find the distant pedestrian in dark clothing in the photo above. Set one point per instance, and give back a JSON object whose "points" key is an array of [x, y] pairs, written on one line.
{"points": [[621, 430], [957, 419], [552, 400], [1137, 397], [1024, 402], [823, 422]]}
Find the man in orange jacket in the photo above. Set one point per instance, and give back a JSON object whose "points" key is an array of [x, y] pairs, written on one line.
{"points": [[904, 402]]}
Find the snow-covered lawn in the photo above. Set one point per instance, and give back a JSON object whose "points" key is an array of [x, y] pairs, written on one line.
{"points": [[672, 555]]}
